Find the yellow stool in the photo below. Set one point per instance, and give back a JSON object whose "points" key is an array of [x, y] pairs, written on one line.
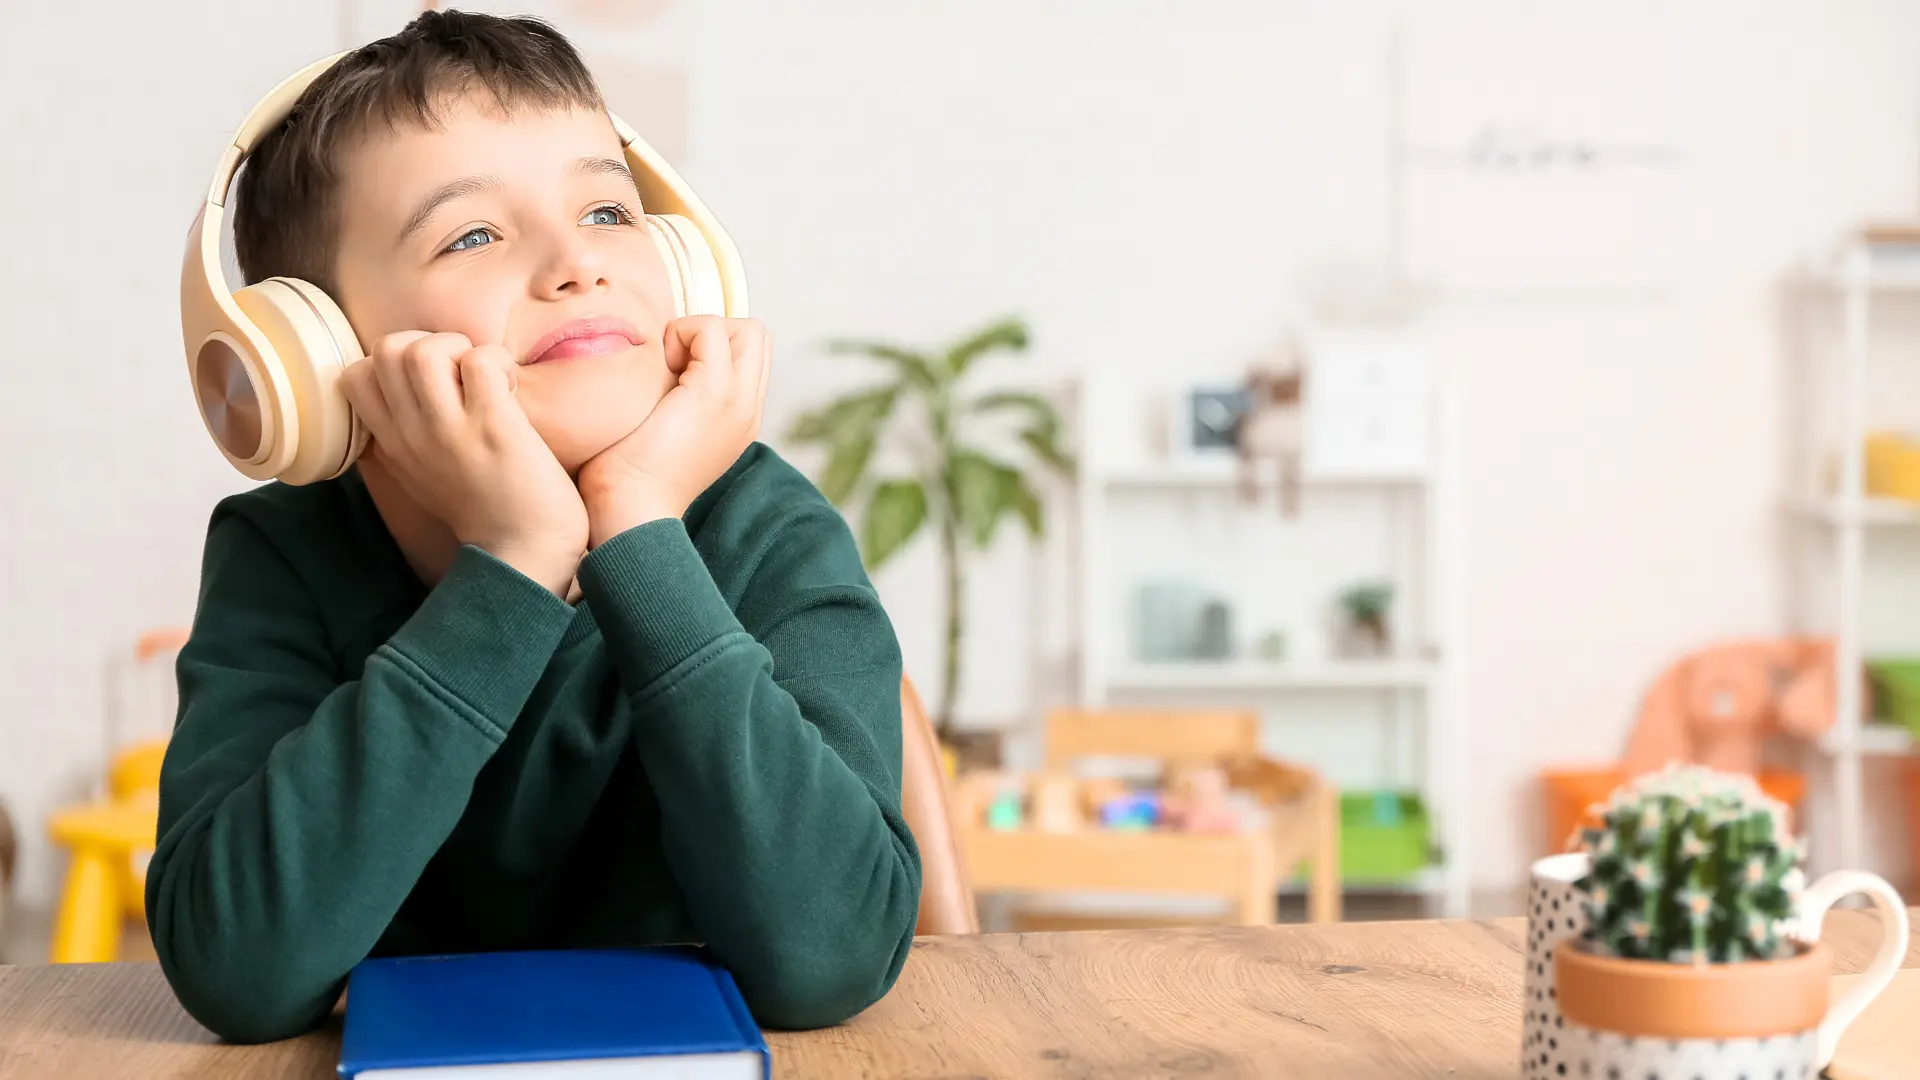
{"points": [[108, 843], [100, 893]]}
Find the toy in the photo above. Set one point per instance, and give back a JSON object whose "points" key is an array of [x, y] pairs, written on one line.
{"points": [[1198, 800], [1056, 803], [1271, 782], [1005, 811], [1718, 706], [1096, 793], [1272, 426], [1133, 811]]}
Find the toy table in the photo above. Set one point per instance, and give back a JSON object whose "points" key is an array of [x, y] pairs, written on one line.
{"points": [[1245, 868]]}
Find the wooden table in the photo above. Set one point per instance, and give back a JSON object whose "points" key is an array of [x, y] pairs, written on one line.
{"points": [[1354, 1001]]}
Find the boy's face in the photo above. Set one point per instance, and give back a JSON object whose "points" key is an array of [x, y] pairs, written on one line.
{"points": [[514, 230]]}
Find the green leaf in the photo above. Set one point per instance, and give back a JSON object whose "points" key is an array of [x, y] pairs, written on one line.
{"points": [[1025, 503], [1010, 333], [895, 512], [1046, 447], [846, 467], [1040, 412], [847, 417], [914, 367], [983, 492]]}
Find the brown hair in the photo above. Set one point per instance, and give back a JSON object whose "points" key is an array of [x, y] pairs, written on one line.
{"points": [[286, 218]]}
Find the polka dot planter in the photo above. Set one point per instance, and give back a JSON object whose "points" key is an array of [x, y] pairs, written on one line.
{"points": [[1553, 916]]}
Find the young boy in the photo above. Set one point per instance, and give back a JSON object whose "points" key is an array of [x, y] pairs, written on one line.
{"points": [[568, 659]]}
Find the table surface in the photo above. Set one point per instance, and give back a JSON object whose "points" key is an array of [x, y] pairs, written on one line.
{"points": [[1354, 1000]]}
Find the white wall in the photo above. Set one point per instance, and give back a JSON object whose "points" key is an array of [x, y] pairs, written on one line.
{"points": [[1146, 181], [114, 118]]}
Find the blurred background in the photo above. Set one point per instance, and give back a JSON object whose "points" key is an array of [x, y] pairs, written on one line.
{"points": [[1591, 333]]}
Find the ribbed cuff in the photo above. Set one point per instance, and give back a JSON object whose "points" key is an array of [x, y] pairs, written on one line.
{"points": [[485, 634], [654, 599]]}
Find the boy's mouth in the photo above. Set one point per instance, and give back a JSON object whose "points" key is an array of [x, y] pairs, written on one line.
{"points": [[583, 337]]}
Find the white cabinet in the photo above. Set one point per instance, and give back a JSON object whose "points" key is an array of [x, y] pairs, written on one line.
{"points": [[1377, 489], [1369, 409]]}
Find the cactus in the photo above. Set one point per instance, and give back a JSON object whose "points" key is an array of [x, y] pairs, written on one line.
{"points": [[1691, 866]]}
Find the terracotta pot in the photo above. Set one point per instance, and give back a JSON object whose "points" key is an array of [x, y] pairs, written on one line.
{"points": [[1652, 999], [1637, 1018]]}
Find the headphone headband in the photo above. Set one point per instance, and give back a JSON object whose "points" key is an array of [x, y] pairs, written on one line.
{"points": [[264, 361]]}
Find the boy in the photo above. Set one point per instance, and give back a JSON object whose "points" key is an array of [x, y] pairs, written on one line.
{"points": [[568, 659]]}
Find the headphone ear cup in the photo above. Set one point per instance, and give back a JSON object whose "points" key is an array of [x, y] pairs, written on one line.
{"points": [[692, 269], [312, 346]]}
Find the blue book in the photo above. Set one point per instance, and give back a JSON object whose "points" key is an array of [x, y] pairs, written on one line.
{"points": [[600, 1014]]}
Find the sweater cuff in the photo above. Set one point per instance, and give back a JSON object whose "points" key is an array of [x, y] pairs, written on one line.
{"points": [[485, 634], [654, 599]]}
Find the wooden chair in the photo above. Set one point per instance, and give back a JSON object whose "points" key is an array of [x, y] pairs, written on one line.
{"points": [[946, 897], [1244, 868]]}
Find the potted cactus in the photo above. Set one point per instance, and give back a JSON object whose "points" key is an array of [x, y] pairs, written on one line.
{"points": [[1691, 867], [1693, 958]]}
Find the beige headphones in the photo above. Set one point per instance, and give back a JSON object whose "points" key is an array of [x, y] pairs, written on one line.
{"points": [[266, 361]]}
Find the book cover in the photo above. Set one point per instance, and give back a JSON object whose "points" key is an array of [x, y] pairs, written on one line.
{"points": [[601, 1013]]}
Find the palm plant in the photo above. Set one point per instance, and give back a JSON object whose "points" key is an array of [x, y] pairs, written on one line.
{"points": [[958, 479]]}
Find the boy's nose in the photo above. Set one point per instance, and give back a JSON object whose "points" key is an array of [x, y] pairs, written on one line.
{"points": [[574, 267]]}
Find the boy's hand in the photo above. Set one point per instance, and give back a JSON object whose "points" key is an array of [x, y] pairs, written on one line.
{"points": [[444, 421], [699, 429]]}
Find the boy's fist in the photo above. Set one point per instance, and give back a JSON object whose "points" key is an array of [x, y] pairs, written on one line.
{"points": [[445, 423], [700, 428]]}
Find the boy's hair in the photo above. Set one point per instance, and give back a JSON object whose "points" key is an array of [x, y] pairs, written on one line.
{"points": [[286, 218]]}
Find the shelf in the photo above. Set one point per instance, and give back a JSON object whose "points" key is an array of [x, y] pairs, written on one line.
{"points": [[1890, 271], [1259, 675], [1837, 511], [1875, 739], [1224, 475]]}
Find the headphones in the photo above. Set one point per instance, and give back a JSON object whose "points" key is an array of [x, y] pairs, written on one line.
{"points": [[265, 362]]}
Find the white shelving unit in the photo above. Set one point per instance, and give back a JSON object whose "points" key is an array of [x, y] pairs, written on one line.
{"points": [[1849, 515], [1107, 679]]}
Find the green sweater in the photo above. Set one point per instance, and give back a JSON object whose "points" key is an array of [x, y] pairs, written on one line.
{"points": [[706, 749]]}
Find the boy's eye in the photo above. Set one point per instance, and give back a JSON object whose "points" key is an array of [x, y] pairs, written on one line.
{"points": [[472, 239], [610, 214]]}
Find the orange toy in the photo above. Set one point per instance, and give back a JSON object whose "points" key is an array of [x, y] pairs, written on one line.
{"points": [[1718, 706]]}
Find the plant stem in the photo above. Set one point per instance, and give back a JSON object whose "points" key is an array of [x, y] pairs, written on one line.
{"points": [[956, 595]]}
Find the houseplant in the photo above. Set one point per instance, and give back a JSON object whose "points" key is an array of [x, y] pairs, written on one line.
{"points": [[1365, 630], [1692, 959], [971, 459]]}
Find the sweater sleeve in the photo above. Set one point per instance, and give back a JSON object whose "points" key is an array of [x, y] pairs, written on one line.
{"points": [[298, 808], [773, 746]]}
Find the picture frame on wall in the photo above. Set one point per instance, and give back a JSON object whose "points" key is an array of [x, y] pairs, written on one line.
{"points": [[1203, 420]]}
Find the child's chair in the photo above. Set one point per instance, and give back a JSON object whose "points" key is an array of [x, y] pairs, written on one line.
{"points": [[946, 897], [110, 840]]}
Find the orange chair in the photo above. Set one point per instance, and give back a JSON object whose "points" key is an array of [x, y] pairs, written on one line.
{"points": [[1572, 794]]}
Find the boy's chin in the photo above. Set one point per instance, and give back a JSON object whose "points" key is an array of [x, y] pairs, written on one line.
{"points": [[575, 447], [578, 425], [578, 438]]}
